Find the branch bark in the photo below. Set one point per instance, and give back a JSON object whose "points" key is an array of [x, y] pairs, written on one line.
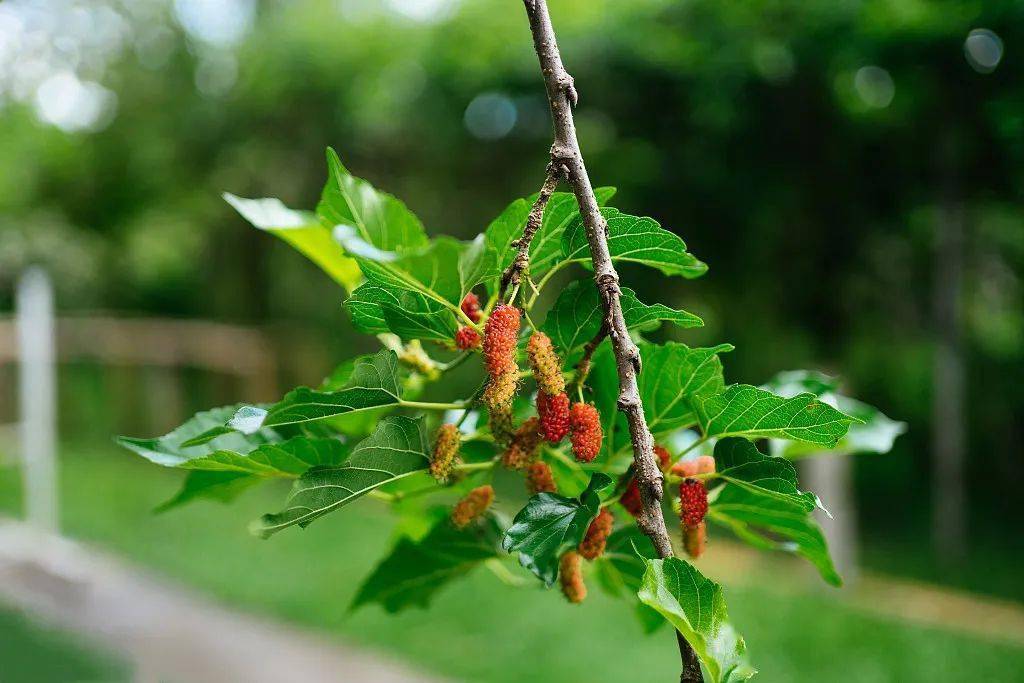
{"points": [[566, 156]]}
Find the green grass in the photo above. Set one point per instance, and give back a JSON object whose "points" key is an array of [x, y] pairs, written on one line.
{"points": [[479, 629], [30, 653]]}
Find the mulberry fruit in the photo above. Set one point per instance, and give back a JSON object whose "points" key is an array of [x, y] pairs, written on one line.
{"points": [[693, 502], [501, 389], [694, 539], [663, 456], [467, 338], [471, 307], [631, 500], [500, 422], [446, 452], [585, 428], [592, 545], [554, 415], [539, 478], [522, 450], [705, 464], [547, 368], [570, 577], [501, 334], [472, 506]]}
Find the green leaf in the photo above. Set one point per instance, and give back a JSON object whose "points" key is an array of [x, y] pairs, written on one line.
{"points": [[637, 240], [378, 218], [675, 377], [876, 433], [288, 459], [416, 570], [550, 524], [546, 247], [397, 448], [302, 231], [220, 486], [183, 444], [695, 605], [577, 315], [763, 505], [743, 410]]}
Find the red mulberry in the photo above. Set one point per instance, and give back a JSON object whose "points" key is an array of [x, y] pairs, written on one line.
{"points": [[592, 545], [446, 452], [554, 415], [471, 307], [472, 506], [663, 456], [467, 338], [539, 478], [693, 502], [694, 539], [524, 445], [501, 334], [547, 368], [631, 500], [570, 577], [585, 426]]}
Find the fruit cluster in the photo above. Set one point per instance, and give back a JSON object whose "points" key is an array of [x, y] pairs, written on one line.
{"points": [[472, 506], [446, 452]]}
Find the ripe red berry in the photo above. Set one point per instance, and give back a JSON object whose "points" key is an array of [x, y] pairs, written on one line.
{"points": [[472, 506], [554, 415], [585, 431], [592, 545], [663, 456], [547, 368], [501, 334], [693, 502], [631, 500], [467, 338], [539, 478], [471, 307], [446, 451], [570, 577]]}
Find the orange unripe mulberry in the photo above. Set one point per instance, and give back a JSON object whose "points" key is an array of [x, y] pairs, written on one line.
{"points": [[705, 464], [472, 506], [570, 577], [695, 539], [631, 500], [592, 545], [664, 457], [471, 307], [501, 334], [693, 502], [446, 452], [585, 431], [523, 448], [547, 368], [539, 478], [467, 338], [554, 415]]}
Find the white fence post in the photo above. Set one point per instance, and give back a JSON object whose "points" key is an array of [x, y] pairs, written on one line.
{"points": [[37, 397], [831, 477]]}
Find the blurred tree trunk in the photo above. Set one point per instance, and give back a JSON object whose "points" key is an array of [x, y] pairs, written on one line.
{"points": [[949, 522], [831, 477]]}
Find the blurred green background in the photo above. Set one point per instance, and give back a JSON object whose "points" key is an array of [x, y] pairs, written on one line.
{"points": [[851, 170]]}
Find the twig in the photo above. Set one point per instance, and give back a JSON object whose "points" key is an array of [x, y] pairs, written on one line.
{"points": [[566, 155], [583, 365], [514, 273]]}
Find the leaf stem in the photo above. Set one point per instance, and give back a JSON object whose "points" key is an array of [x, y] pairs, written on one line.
{"points": [[426, 405]]}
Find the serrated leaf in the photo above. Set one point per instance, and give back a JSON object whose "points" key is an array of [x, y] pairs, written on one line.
{"points": [[180, 446], [635, 239], [763, 505], [695, 605], [303, 231], [223, 487], [397, 448], [876, 433], [674, 378], [744, 410], [546, 246], [288, 459], [550, 524], [377, 217], [414, 571], [577, 315]]}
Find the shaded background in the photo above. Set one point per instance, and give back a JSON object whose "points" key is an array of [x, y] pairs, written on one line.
{"points": [[850, 170]]}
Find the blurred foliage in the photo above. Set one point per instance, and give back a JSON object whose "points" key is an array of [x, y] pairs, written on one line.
{"points": [[802, 147]]}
